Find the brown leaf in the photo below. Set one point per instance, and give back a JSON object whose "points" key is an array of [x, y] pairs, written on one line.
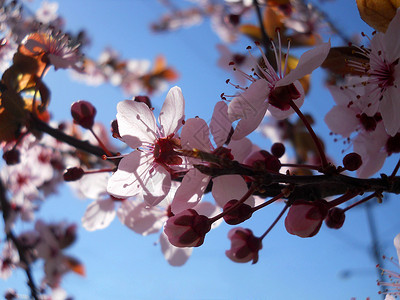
{"points": [[378, 13]]}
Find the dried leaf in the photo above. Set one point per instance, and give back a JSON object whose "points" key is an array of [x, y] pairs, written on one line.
{"points": [[378, 13], [337, 57]]}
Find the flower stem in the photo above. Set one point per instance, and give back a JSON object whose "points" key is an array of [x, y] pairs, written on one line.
{"points": [[276, 221], [324, 161]]}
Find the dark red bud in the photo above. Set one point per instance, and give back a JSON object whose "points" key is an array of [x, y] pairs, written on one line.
{"points": [[239, 214], [393, 144], [83, 113], [143, 99], [115, 130], [11, 157], [335, 218], [352, 161], [278, 149], [73, 174]]}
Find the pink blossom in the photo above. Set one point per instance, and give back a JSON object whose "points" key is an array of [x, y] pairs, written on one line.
{"points": [[382, 73], [148, 169], [273, 88]]}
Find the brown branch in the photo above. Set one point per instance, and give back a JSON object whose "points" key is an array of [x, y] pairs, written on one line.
{"points": [[6, 208]]}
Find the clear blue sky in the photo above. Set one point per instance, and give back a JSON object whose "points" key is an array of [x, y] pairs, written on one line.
{"points": [[123, 265]]}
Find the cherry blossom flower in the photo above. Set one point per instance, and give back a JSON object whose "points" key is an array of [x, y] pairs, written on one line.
{"points": [[273, 90], [393, 286], [47, 12], [149, 168], [383, 76], [57, 48], [196, 135]]}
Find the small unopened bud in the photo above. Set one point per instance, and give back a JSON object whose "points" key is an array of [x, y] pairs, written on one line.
{"points": [[352, 161], [278, 149], [335, 218], [393, 144], [239, 214], [11, 157], [73, 174], [143, 99], [272, 163], [304, 218], [83, 113], [187, 229], [115, 130], [244, 245]]}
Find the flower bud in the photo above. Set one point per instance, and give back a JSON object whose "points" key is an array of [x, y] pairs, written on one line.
{"points": [[143, 99], [278, 149], [11, 157], [335, 218], [352, 161], [239, 214], [83, 113], [115, 129], [244, 247], [304, 218], [187, 229], [73, 174]]}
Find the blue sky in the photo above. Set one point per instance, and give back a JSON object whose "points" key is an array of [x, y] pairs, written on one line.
{"points": [[123, 265]]}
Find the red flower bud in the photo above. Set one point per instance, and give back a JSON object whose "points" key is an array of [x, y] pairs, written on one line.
{"points": [[143, 99], [304, 218], [335, 218], [187, 229], [83, 113], [278, 149], [352, 161], [244, 247], [239, 214], [11, 157], [73, 174]]}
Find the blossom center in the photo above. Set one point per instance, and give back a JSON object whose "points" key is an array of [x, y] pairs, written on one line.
{"points": [[281, 96], [164, 151]]}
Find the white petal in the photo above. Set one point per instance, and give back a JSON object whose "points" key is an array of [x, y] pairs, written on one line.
{"points": [[127, 180], [195, 134], [174, 256], [99, 214], [136, 123], [156, 185], [190, 191], [220, 125], [240, 149], [136, 215], [172, 112], [308, 62], [396, 243], [94, 186], [391, 39], [229, 187]]}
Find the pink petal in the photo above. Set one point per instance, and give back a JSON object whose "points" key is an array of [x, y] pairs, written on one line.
{"points": [[190, 191], [389, 108], [195, 135], [228, 187], [136, 123], [220, 125], [308, 62], [240, 149], [136, 215], [391, 39], [247, 104], [127, 181], [172, 112], [342, 120], [174, 256], [209, 210], [249, 123], [99, 214], [94, 186]]}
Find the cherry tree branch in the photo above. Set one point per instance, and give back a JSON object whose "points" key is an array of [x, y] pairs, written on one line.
{"points": [[6, 208]]}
